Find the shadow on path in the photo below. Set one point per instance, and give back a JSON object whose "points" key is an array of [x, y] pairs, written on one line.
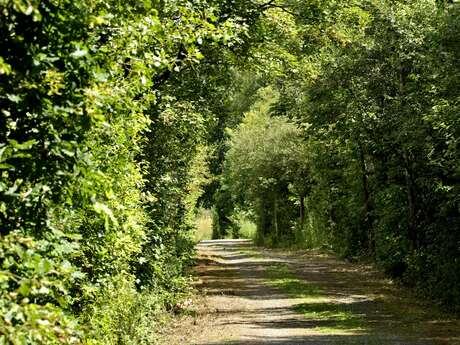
{"points": [[258, 296]]}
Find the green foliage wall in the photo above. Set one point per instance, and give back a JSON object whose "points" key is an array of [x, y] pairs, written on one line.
{"points": [[383, 165], [101, 163]]}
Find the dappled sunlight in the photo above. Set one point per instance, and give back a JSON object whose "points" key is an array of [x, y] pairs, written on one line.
{"points": [[276, 297]]}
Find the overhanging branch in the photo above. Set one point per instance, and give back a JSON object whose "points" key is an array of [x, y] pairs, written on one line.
{"points": [[273, 4]]}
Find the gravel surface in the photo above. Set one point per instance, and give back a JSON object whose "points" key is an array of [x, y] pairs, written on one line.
{"points": [[253, 296]]}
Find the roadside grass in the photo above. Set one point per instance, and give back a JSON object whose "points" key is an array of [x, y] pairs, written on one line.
{"points": [[203, 223], [247, 228], [243, 227]]}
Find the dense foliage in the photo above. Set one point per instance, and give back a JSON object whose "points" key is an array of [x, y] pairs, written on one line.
{"points": [[373, 90], [102, 159], [331, 123]]}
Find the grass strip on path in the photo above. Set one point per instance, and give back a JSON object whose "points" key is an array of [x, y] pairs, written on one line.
{"points": [[331, 317]]}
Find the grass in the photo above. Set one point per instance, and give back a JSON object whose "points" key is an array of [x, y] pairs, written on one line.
{"points": [[331, 318], [252, 252], [247, 229], [281, 277], [203, 225]]}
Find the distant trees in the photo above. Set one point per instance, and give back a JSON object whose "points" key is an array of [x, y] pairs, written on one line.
{"points": [[264, 164]]}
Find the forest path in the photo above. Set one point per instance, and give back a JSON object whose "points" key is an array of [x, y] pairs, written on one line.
{"points": [[253, 296]]}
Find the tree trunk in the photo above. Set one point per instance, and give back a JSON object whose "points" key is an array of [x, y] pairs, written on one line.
{"points": [[275, 215], [367, 201], [302, 210], [411, 201], [411, 198]]}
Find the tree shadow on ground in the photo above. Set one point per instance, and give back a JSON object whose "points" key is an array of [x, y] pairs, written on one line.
{"points": [[312, 340], [344, 305]]}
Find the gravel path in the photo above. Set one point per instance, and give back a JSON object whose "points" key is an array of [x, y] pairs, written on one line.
{"points": [[254, 296]]}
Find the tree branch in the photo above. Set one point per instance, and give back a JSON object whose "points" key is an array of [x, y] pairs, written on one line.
{"points": [[163, 77], [284, 9], [266, 5], [272, 4]]}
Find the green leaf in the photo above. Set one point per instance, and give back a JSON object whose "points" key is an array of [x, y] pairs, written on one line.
{"points": [[25, 288], [79, 53]]}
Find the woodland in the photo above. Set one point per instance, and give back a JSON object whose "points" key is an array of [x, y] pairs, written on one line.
{"points": [[329, 124]]}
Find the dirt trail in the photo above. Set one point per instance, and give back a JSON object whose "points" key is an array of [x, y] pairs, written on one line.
{"points": [[254, 297]]}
